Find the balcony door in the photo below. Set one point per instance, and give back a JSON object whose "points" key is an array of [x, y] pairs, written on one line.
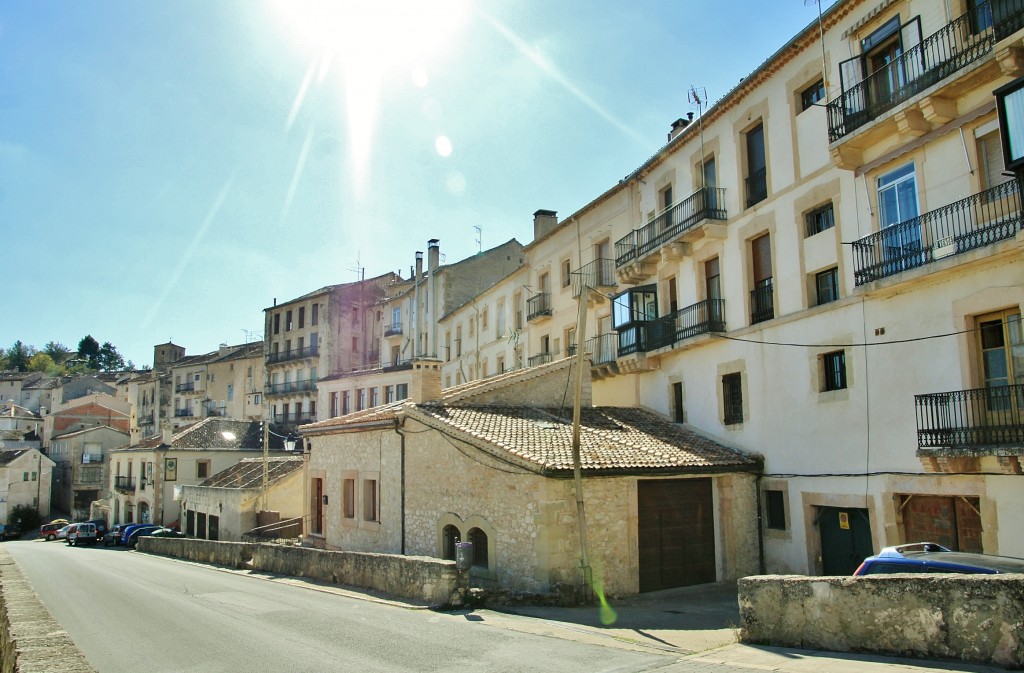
{"points": [[897, 213], [1002, 364]]}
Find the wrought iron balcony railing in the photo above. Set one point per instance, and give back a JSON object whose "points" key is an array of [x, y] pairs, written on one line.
{"points": [[294, 418], [599, 273], [124, 484], [304, 386], [953, 47], [762, 302], [707, 203], [979, 220], [146, 419], [982, 418], [757, 186], [182, 413], [668, 330], [394, 329], [293, 354], [603, 348], [185, 387], [540, 359], [537, 306]]}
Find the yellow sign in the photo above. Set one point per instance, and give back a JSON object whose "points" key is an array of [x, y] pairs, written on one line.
{"points": [[844, 520]]}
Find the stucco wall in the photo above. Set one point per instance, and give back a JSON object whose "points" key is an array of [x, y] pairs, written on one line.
{"points": [[965, 617], [433, 581]]}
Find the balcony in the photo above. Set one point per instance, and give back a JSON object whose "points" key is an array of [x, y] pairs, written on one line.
{"points": [[977, 221], [124, 485], [952, 48], [757, 187], [288, 387], [538, 306], [597, 274], [394, 329], [602, 349], [288, 421], [762, 302], [146, 418], [185, 387], [182, 413], [707, 203], [701, 318], [293, 354], [972, 421], [540, 359]]}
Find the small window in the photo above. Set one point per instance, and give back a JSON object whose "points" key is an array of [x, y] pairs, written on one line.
{"points": [[732, 397], [202, 469], [566, 273], [827, 285], [315, 317], [775, 510], [479, 540], [820, 219], [835, 370], [812, 94], [370, 500], [287, 321], [450, 536], [677, 403], [302, 317], [348, 499]]}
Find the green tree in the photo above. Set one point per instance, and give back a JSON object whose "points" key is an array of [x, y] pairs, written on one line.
{"points": [[89, 349], [58, 351], [18, 355], [24, 518], [42, 362], [108, 359]]}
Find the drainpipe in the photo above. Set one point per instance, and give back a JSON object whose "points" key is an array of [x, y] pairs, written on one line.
{"points": [[760, 525], [401, 461]]}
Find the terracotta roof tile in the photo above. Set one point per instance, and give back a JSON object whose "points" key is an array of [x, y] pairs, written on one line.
{"points": [[248, 472]]}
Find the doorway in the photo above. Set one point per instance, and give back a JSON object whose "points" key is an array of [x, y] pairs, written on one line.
{"points": [[845, 534]]}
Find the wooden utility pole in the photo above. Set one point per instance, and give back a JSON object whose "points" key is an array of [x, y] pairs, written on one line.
{"points": [[581, 327]]}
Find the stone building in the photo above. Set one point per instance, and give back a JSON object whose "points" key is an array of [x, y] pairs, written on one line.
{"points": [[25, 475], [490, 462]]}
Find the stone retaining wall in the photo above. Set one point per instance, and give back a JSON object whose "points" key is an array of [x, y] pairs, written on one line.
{"points": [[420, 578], [31, 641], [977, 618]]}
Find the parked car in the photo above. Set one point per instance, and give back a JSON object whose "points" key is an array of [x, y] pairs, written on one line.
{"points": [[49, 530], [101, 526], [928, 557], [113, 536], [133, 537], [81, 533], [62, 534], [8, 532], [131, 528], [167, 532]]}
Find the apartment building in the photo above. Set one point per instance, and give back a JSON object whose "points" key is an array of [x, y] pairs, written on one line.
{"points": [[225, 383]]}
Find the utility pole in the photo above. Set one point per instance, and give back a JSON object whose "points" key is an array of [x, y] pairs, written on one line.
{"points": [[266, 462], [581, 327]]}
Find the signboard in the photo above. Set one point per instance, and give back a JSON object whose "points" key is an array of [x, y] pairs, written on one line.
{"points": [[844, 520]]}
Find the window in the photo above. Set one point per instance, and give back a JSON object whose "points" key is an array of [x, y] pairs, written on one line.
{"points": [[478, 539], [458, 340], [202, 469], [373, 397], [333, 405], [449, 538], [483, 319], [1001, 346], [990, 156], [24, 477], [355, 344], [314, 317], [827, 285], [499, 362], [775, 509], [402, 391], [566, 273], [834, 365], [820, 219], [762, 304], [231, 392], [757, 167], [302, 317], [287, 320], [897, 203], [277, 323], [370, 500], [732, 398], [346, 402], [389, 394], [812, 94], [677, 403], [360, 399], [348, 499], [499, 319]]}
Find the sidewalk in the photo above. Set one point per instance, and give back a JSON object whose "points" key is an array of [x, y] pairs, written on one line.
{"points": [[699, 627]]}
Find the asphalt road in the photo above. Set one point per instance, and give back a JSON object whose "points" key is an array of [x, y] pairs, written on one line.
{"points": [[131, 612]]}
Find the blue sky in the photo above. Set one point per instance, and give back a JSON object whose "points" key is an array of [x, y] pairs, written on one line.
{"points": [[168, 169]]}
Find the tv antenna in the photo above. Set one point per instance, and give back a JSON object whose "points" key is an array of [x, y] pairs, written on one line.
{"points": [[699, 97], [479, 238]]}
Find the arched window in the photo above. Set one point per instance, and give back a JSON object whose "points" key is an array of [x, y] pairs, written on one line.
{"points": [[117, 512], [479, 540], [143, 512], [451, 536]]}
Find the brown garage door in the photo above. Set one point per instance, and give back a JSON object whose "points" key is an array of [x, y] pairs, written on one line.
{"points": [[677, 533], [952, 522]]}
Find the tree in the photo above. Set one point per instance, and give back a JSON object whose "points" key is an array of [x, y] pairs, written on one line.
{"points": [[23, 518], [58, 351], [42, 362], [18, 355], [89, 349], [108, 359]]}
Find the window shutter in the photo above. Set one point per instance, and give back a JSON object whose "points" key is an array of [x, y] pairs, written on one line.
{"points": [[762, 257], [992, 166], [850, 75], [910, 36]]}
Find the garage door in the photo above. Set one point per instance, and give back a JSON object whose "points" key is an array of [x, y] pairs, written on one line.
{"points": [[677, 533], [953, 522]]}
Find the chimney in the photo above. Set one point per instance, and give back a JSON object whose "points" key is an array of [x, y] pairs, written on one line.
{"points": [[544, 222], [224, 348], [433, 254], [167, 431], [419, 265], [678, 126], [425, 384]]}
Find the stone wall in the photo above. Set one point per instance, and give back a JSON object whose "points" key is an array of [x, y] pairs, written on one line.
{"points": [[30, 639], [430, 580], [978, 618]]}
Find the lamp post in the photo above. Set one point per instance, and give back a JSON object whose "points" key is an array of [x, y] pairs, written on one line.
{"points": [[290, 440]]}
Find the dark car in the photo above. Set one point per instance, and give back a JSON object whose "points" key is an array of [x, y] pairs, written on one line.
{"points": [[113, 536], [166, 532], [140, 531], [131, 528], [101, 526], [928, 557]]}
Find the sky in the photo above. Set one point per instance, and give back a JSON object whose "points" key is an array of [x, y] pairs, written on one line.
{"points": [[169, 169]]}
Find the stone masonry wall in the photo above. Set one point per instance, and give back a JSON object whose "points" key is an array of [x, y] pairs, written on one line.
{"points": [[31, 641], [978, 618], [430, 580]]}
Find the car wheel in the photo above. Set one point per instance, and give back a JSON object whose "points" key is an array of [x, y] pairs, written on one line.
{"points": [[51, 537]]}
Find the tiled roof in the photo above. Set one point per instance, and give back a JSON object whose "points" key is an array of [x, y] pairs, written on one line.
{"points": [[216, 433], [384, 412], [248, 472], [9, 455], [613, 440]]}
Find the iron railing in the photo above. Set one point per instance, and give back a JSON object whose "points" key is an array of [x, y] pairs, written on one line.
{"points": [[293, 354], [293, 418], [182, 413], [603, 348], [700, 318], [707, 203], [599, 273], [979, 220], [762, 302], [394, 329], [185, 387], [124, 484], [540, 359], [146, 419], [953, 47], [971, 419], [304, 386], [757, 186], [538, 305]]}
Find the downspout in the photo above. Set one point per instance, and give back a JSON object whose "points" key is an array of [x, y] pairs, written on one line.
{"points": [[401, 462], [760, 525]]}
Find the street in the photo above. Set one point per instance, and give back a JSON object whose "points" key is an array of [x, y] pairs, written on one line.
{"points": [[129, 611]]}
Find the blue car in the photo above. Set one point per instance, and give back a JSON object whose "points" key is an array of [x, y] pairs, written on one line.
{"points": [[928, 557], [128, 530]]}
